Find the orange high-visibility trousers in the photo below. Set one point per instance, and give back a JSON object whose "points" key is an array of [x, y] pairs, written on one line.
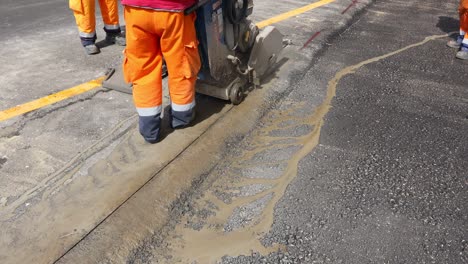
{"points": [[84, 11], [463, 11], [151, 35]]}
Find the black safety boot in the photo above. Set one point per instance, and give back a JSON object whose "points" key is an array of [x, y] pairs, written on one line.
{"points": [[456, 44], [463, 53], [92, 49], [116, 38], [150, 127], [183, 119], [89, 45]]}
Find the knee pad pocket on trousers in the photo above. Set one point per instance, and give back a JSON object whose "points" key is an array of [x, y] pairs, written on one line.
{"points": [[127, 70], [192, 61], [76, 5]]}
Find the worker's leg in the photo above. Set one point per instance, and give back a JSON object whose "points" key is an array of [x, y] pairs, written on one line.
{"points": [[110, 15], [464, 20], [142, 68], [180, 48], [463, 10], [85, 20]]}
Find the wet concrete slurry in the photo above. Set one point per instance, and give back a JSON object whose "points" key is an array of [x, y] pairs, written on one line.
{"points": [[374, 173], [73, 165], [384, 184]]}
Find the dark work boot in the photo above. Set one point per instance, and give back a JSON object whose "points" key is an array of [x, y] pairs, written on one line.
{"points": [[116, 38], [182, 119], [150, 127], [92, 49], [456, 44], [463, 53], [89, 45]]}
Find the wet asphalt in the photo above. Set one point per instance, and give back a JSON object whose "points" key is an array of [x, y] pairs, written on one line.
{"points": [[388, 181]]}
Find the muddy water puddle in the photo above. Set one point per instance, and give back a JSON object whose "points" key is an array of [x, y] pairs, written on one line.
{"points": [[246, 192], [242, 199]]}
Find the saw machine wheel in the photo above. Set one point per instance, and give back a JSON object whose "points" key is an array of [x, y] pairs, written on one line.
{"points": [[236, 93]]}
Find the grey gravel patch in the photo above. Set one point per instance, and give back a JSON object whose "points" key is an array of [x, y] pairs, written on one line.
{"points": [[242, 216], [264, 171], [249, 190], [253, 189], [286, 141], [273, 154], [296, 131], [287, 123], [198, 218]]}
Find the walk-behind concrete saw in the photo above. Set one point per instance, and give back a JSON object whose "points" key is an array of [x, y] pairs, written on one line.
{"points": [[235, 54]]}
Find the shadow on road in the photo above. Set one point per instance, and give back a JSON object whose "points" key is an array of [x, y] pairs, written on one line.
{"points": [[205, 108], [448, 24]]}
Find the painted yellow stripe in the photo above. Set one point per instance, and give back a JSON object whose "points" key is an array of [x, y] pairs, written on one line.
{"points": [[82, 88], [292, 13], [48, 100]]}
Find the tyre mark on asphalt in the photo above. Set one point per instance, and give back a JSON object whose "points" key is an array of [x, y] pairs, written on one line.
{"points": [[214, 241]]}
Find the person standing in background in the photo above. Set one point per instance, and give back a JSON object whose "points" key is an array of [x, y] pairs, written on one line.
{"points": [[157, 28], [84, 11], [461, 42]]}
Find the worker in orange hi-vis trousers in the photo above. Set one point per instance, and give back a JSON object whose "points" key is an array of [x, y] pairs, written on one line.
{"points": [[84, 11], [461, 42], [157, 29]]}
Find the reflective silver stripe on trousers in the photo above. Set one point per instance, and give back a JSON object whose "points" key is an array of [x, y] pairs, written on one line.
{"points": [[87, 35], [462, 32], [111, 26], [182, 108], [149, 111]]}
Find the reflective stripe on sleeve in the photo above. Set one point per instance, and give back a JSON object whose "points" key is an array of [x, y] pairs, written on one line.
{"points": [[149, 111], [87, 35], [111, 26], [182, 108]]}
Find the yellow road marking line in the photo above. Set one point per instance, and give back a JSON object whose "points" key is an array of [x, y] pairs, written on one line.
{"points": [[292, 13], [50, 99], [82, 88]]}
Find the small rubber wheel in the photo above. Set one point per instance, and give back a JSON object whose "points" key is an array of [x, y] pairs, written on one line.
{"points": [[236, 94]]}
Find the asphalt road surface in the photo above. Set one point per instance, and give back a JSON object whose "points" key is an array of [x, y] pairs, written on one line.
{"points": [[375, 173], [355, 151]]}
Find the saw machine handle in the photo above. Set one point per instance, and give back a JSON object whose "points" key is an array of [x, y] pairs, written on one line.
{"points": [[232, 11]]}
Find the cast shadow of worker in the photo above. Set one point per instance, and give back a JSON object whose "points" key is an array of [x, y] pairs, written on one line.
{"points": [[449, 25], [206, 107], [104, 44]]}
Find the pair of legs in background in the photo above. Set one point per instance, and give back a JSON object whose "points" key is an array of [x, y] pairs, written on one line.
{"points": [[461, 42], [84, 12], [152, 35]]}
